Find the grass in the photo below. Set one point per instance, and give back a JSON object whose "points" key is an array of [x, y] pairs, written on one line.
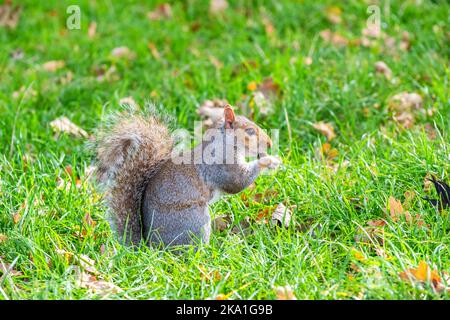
{"points": [[323, 260]]}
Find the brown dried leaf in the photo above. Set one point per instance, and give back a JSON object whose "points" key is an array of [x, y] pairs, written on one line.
{"points": [[423, 274], [377, 223], [92, 29], [87, 219], [9, 15], [281, 216], [8, 268], [63, 124], [154, 51], [382, 67], [405, 102], [334, 38], [16, 217], [217, 6], [162, 11], [326, 129], [333, 14], [216, 62], [3, 237], [395, 208], [123, 52], [53, 66], [101, 287], [285, 293], [405, 119]]}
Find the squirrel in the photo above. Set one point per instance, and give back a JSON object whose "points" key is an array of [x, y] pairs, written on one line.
{"points": [[159, 197]]}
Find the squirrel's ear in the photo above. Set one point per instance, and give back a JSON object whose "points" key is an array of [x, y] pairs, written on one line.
{"points": [[229, 117]]}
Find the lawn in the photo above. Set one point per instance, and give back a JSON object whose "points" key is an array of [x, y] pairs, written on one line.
{"points": [[359, 229]]}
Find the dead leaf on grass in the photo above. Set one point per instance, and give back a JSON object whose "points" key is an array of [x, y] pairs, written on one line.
{"points": [[217, 6], [285, 293], [63, 124], [162, 11], [333, 14], [123, 52], [9, 15], [54, 65], [326, 129], [382, 67], [424, 274], [281, 216], [334, 38], [92, 29]]}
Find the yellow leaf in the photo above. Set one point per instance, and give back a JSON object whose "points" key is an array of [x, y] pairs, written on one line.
{"points": [[326, 129], [252, 86]]}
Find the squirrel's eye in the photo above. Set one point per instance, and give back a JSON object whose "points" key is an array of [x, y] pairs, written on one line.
{"points": [[250, 131]]}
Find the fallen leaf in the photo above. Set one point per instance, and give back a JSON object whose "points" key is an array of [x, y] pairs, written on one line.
{"points": [[333, 14], [92, 29], [405, 119], [252, 86], [217, 6], [162, 11], [17, 54], [205, 275], [308, 61], [216, 62], [334, 38], [285, 293], [16, 218], [405, 44], [423, 274], [6, 268], [87, 219], [382, 67], [66, 78], [377, 223], [326, 129], [54, 65], [27, 93], [281, 216], [109, 74], [101, 287], [154, 51], [9, 15], [405, 102], [3, 237], [123, 52], [396, 210], [358, 255], [63, 124], [268, 26]]}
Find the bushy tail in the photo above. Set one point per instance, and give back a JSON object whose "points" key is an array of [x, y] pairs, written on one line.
{"points": [[130, 151]]}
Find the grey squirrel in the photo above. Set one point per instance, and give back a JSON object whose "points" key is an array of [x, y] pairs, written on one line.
{"points": [[161, 198]]}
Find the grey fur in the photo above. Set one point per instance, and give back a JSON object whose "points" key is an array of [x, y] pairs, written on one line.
{"points": [[170, 200]]}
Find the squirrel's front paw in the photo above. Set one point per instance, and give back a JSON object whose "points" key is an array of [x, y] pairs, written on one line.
{"points": [[269, 162]]}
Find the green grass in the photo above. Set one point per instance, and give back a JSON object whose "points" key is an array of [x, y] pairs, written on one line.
{"points": [[338, 87]]}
